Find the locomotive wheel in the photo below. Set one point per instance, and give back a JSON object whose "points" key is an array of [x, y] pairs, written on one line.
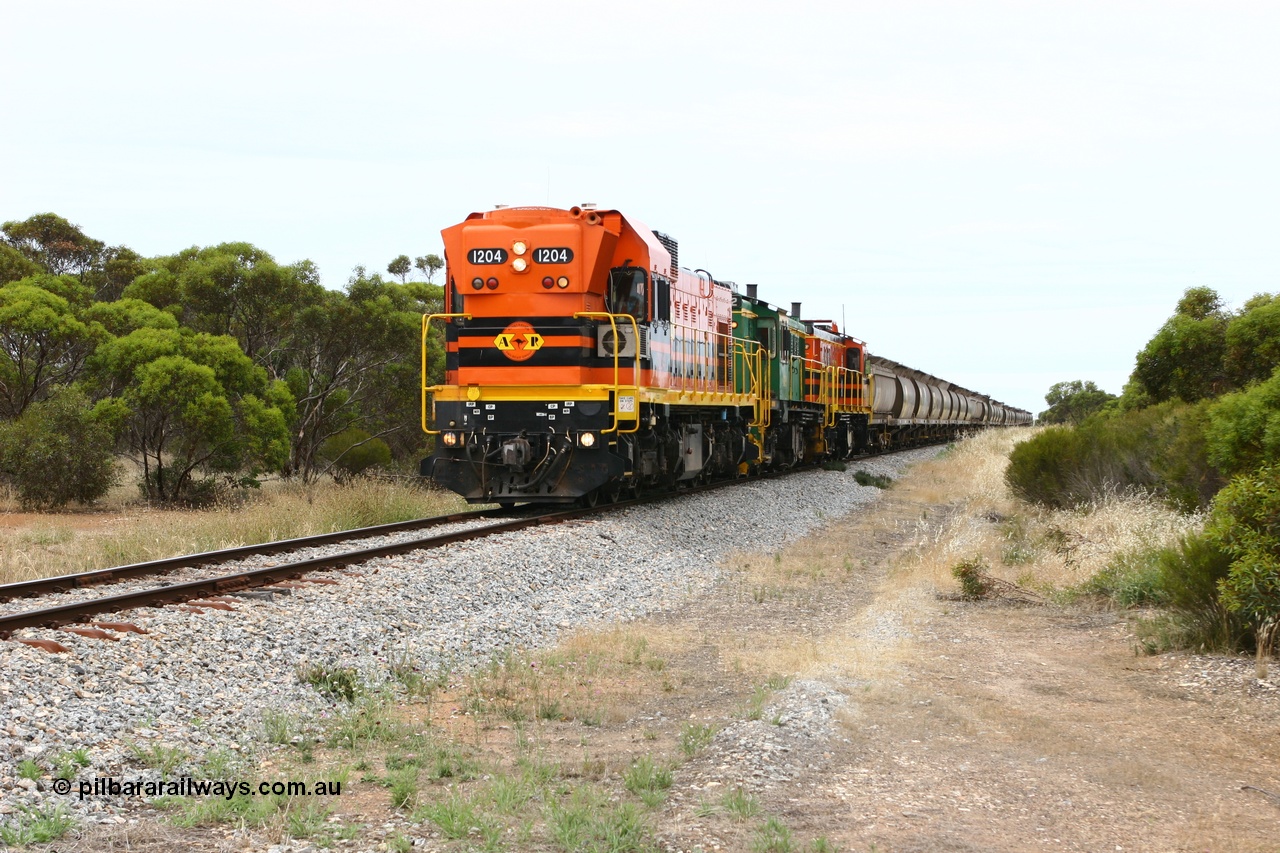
{"points": [[591, 499], [614, 493]]}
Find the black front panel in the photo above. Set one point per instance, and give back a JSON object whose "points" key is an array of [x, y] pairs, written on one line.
{"points": [[551, 416]]}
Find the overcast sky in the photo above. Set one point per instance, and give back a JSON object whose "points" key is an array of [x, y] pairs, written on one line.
{"points": [[1005, 195]]}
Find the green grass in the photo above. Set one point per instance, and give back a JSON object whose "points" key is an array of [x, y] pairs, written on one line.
{"points": [[457, 816], [772, 836], [157, 756], [36, 826], [647, 780], [336, 682], [587, 821], [866, 478], [694, 736], [740, 805]]}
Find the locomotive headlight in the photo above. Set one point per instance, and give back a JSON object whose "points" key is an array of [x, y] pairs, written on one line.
{"points": [[477, 283], [587, 439], [519, 247], [519, 264], [450, 439], [562, 282]]}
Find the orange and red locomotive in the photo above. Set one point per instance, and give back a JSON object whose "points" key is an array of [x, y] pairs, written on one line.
{"points": [[582, 362]]}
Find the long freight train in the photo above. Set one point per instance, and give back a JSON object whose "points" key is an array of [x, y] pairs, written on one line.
{"points": [[582, 363]]}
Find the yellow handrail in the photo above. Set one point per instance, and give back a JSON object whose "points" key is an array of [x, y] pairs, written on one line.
{"points": [[426, 325], [635, 368]]}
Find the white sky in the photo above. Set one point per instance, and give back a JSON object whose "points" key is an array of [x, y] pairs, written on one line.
{"points": [[1004, 194]]}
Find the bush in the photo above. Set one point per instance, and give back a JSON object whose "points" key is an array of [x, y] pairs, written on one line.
{"points": [[1246, 525], [1130, 579], [975, 583], [1159, 450], [1189, 577], [57, 452], [1244, 431], [353, 451]]}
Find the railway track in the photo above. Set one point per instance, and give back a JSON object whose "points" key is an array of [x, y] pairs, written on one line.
{"points": [[197, 593], [212, 591]]}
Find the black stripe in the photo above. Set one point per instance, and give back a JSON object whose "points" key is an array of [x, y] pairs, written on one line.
{"points": [[545, 357]]}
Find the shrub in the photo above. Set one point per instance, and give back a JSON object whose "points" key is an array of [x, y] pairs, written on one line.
{"points": [[1244, 429], [1130, 579], [1246, 524], [1159, 450], [1189, 577], [353, 451], [975, 583], [57, 452]]}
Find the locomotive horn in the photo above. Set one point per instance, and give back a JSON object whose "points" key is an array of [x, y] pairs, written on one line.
{"points": [[592, 218], [575, 211]]}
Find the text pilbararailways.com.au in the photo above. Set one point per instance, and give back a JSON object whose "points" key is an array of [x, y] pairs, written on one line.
{"points": [[109, 786]]}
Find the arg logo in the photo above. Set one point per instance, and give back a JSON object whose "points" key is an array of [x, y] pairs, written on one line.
{"points": [[518, 341]]}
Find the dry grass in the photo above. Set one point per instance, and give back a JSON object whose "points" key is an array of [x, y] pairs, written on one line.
{"points": [[36, 545], [1034, 547]]}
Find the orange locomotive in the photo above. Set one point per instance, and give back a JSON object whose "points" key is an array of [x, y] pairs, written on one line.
{"points": [[582, 363]]}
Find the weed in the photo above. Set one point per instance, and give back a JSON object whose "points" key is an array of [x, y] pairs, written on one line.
{"points": [[306, 820], [647, 781], [509, 794], [1130, 579], [694, 737], [589, 821], [36, 826], [456, 816], [404, 787], [64, 767], [331, 680], [28, 769], [740, 805], [866, 478], [400, 843], [157, 756], [773, 836], [368, 721], [277, 727], [822, 845]]}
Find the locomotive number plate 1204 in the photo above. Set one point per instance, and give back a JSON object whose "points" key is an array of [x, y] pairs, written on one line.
{"points": [[552, 255], [487, 256]]}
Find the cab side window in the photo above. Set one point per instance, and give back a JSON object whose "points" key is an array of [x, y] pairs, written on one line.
{"points": [[628, 291]]}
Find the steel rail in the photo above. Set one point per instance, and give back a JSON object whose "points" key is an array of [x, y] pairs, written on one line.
{"points": [[62, 583], [53, 617]]}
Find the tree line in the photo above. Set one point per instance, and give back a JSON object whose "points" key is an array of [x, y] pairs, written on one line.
{"points": [[1198, 424], [208, 368]]}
